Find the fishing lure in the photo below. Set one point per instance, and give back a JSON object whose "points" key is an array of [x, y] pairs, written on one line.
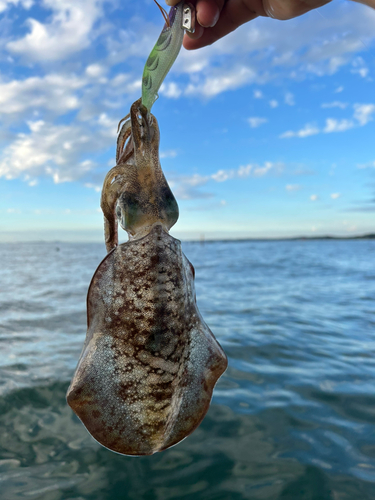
{"points": [[149, 364], [181, 17]]}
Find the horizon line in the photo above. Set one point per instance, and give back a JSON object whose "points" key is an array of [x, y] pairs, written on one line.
{"points": [[212, 240]]}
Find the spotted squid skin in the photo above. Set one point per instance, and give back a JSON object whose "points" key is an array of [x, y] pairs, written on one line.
{"points": [[149, 364]]}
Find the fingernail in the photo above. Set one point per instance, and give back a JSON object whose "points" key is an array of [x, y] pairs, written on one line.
{"points": [[197, 33], [193, 36], [216, 18], [213, 22]]}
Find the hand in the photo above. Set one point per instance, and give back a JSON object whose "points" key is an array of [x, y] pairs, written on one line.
{"points": [[217, 18]]}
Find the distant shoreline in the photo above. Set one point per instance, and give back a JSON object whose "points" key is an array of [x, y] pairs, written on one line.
{"points": [[370, 236]]}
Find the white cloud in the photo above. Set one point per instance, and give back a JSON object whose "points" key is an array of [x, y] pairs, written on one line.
{"points": [[313, 197], [293, 187], [329, 55], [192, 62], [135, 37], [90, 185], [109, 124], [306, 131], [363, 72], [360, 67], [36, 126], [69, 31], [95, 70], [222, 175], [244, 57], [339, 89], [185, 187], [371, 164], [336, 62], [171, 153], [241, 59], [333, 125], [334, 104], [53, 92], [171, 90], [267, 167], [289, 99], [256, 121], [56, 151], [26, 4], [363, 113], [252, 169], [245, 170], [334, 196], [195, 180], [124, 83], [222, 80], [318, 48], [361, 116]]}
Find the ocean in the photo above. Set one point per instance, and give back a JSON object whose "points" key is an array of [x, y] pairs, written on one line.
{"points": [[293, 417]]}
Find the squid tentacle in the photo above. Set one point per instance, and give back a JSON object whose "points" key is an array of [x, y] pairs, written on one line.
{"points": [[113, 186]]}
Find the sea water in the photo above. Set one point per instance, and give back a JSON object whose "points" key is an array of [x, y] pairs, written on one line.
{"points": [[292, 418]]}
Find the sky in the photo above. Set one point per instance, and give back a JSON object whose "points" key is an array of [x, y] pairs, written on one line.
{"points": [[268, 133]]}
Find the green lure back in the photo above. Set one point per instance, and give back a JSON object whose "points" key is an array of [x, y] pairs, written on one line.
{"points": [[162, 56]]}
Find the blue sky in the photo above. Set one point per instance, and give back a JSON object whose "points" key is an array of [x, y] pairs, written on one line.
{"points": [[270, 132]]}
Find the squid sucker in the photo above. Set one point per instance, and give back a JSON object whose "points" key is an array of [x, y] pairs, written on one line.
{"points": [[149, 364]]}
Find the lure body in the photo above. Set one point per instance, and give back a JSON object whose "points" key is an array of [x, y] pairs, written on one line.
{"points": [[149, 364], [162, 56]]}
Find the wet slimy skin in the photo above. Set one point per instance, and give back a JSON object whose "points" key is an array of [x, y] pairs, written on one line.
{"points": [[149, 364]]}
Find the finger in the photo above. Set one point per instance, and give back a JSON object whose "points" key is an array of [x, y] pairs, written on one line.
{"points": [[199, 30], [208, 12], [234, 13]]}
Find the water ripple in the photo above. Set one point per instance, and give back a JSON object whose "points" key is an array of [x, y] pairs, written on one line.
{"points": [[292, 418]]}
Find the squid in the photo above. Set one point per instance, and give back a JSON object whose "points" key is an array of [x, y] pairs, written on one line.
{"points": [[149, 364]]}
